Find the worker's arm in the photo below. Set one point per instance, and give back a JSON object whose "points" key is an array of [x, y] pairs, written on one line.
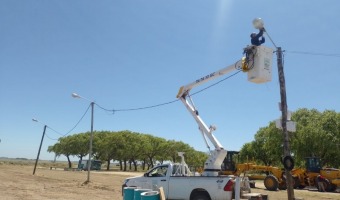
{"points": [[260, 33], [263, 40]]}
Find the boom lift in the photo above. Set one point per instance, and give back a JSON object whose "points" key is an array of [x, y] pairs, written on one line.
{"points": [[257, 63]]}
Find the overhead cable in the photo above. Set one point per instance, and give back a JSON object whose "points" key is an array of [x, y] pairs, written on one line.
{"points": [[166, 103], [315, 54], [63, 135], [78, 121]]}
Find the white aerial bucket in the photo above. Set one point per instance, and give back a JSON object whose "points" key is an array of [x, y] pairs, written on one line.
{"points": [[260, 64]]}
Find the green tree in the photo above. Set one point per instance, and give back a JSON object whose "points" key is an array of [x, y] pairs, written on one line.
{"points": [[106, 146], [317, 135]]}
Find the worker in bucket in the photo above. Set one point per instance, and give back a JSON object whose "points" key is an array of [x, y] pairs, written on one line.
{"points": [[258, 39]]}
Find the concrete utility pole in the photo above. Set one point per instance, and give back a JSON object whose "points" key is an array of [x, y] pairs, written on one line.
{"points": [[42, 139], [286, 148], [75, 95]]}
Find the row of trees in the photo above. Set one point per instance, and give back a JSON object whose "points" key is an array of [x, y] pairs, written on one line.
{"points": [[129, 148], [317, 135]]}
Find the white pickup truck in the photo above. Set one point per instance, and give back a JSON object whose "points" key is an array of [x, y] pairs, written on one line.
{"points": [[182, 185]]}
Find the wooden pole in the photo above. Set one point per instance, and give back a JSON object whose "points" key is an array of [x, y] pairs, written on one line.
{"points": [[286, 148]]}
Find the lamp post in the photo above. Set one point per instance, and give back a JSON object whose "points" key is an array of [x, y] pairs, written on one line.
{"points": [[75, 95], [42, 139]]}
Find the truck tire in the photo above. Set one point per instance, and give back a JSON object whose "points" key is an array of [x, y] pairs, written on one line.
{"points": [[201, 196], [271, 183]]}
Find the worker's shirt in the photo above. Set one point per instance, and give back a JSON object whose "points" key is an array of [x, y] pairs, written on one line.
{"points": [[256, 40]]}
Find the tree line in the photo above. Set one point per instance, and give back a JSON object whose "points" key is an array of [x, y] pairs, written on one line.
{"points": [[317, 135], [128, 148]]}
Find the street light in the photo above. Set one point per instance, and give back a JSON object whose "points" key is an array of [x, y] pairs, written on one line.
{"points": [[75, 95], [42, 138]]}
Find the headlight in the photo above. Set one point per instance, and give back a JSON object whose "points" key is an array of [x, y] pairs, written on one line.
{"points": [[126, 181]]}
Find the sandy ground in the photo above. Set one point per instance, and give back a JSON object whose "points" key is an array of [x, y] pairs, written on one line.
{"points": [[17, 182]]}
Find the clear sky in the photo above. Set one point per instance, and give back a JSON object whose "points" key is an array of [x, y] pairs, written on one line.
{"points": [[126, 54]]}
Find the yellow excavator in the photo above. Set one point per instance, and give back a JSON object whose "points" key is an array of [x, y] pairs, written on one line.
{"points": [[275, 177], [308, 176]]}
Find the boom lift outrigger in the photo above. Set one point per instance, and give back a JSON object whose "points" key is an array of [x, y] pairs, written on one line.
{"points": [[258, 62]]}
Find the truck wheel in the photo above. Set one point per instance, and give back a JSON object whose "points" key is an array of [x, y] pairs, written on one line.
{"points": [[201, 196], [271, 183]]}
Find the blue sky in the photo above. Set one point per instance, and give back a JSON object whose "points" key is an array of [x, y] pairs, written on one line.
{"points": [[130, 54]]}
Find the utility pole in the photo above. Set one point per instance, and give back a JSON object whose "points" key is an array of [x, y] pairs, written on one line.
{"points": [[90, 151], [287, 161], [75, 95], [286, 148], [42, 139]]}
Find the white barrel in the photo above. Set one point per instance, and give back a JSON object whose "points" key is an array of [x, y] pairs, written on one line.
{"points": [[138, 193], [154, 195]]}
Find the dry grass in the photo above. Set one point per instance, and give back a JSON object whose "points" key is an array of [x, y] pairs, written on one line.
{"points": [[17, 182]]}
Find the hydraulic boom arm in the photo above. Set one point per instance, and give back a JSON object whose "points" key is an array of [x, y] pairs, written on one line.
{"points": [[213, 164], [257, 63]]}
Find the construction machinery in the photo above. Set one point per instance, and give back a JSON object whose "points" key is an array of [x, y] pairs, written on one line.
{"points": [[308, 176], [275, 177], [273, 180]]}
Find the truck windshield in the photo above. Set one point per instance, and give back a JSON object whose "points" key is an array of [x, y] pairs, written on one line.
{"points": [[158, 171]]}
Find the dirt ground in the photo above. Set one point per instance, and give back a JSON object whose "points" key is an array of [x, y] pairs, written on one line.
{"points": [[17, 182]]}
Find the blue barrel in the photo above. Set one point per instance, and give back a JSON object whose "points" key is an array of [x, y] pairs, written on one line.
{"points": [[154, 195], [129, 193], [138, 193]]}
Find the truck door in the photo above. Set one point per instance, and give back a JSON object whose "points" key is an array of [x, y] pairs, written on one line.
{"points": [[158, 177]]}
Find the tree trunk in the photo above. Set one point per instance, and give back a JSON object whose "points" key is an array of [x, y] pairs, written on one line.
{"points": [[151, 162], [143, 164], [69, 162], [124, 165], [108, 165], [135, 165]]}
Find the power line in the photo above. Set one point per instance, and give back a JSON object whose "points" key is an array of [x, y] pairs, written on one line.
{"points": [[63, 135], [78, 121], [133, 109], [50, 137], [55, 131], [215, 83], [314, 54], [146, 107], [166, 103]]}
